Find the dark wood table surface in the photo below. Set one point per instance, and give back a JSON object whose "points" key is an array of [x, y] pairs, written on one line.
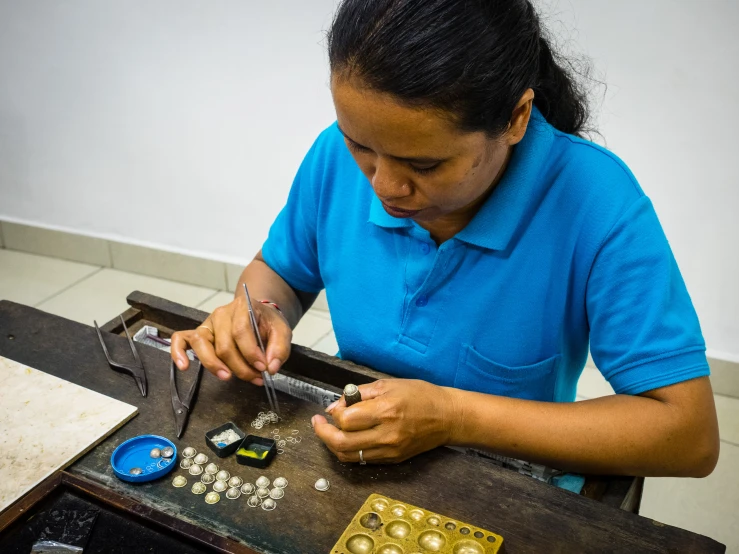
{"points": [[531, 516]]}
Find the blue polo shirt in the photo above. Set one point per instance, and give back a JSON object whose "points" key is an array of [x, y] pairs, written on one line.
{"points": [[566, 253]]}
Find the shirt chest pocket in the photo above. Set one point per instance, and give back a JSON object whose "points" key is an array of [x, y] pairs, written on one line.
{"points": [[476, 372]]}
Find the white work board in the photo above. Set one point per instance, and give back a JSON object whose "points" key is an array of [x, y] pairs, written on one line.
{"points": [[46, 423]]}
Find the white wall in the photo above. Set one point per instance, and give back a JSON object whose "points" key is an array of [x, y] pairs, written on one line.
{"points": [[190, 118]]}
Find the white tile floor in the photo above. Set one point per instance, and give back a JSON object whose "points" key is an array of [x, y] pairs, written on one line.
{"points": [[84, 292]]}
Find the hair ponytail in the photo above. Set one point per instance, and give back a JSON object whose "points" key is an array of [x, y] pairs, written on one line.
{"points": [[473, 59], [557, 94]]}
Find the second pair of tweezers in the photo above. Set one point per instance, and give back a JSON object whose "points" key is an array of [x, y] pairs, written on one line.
{"points": [[269, 383]]}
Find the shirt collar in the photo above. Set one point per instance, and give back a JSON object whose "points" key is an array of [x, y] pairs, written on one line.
{"points": [[514, 199]]}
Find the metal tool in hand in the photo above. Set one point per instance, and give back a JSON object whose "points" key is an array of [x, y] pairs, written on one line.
{"points": [[269, 383], [181, 407], [137, 371]]}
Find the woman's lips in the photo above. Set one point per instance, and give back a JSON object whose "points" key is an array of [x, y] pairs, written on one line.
{"points": [[397, 212]]}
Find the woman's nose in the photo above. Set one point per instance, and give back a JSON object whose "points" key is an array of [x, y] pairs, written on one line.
{"points": [[388, 183]]}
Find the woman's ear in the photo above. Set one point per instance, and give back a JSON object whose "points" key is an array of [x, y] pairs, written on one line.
{"points": [[520, 118]]}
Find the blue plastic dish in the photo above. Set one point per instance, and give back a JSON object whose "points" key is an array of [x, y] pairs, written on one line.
{"points": [[135, 453]]}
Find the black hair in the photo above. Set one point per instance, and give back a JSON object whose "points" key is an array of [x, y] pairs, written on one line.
{"points": [[473, 59]]}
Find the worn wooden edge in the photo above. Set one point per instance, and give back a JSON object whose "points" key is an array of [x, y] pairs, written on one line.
{"points": [[28, 500], [129, 505], [130, 316], [632, 500], [322, 369]]}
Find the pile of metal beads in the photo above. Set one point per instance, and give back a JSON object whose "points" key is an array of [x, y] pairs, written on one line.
{"points": [[293, 438], [264, 418], [257, 494]]}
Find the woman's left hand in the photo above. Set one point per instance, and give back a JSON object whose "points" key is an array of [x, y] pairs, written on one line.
{"points": [[396, 420]]}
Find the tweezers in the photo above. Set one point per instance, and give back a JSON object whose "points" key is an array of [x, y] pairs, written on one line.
{"points": [[136, 371], [182, 408], [269, 383]]}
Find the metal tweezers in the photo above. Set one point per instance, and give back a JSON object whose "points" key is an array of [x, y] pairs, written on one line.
{"points": [[136, 371], [182, 408], [269, 383]]}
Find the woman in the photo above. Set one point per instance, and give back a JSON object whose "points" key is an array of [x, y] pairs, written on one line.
{"points": [[472, 245]]}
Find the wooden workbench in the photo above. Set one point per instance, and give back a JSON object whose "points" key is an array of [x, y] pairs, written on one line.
{"points": [[531, 516]]}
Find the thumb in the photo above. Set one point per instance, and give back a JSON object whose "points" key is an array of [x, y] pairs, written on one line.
{"points": [[279, 338]]}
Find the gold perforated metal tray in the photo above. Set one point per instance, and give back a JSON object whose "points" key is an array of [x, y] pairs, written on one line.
{"points": [[386, 526]]}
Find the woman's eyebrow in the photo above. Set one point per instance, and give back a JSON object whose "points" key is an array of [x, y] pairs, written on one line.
{"points": [[399, 158]]}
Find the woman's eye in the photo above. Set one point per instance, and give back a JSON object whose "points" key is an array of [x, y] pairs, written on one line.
{"points": [[357, 147], [425, 170]]}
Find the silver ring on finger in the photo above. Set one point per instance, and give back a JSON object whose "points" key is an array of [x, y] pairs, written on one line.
{"points": [[361, 459]]}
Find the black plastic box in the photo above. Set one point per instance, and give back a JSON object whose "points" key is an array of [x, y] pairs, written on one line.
{"points": [[252, 440], [229, 449]]}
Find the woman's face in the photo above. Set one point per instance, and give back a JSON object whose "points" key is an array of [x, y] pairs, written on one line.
{"points": [[419, 164]]}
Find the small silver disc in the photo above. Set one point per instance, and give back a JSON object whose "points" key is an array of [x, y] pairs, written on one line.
{"points": [[248, 488], [198, 487], [235, 481], [220, 486], [135, 471], [276, 493], [155, 453], [207, 478], [233, 493], [253, 501], [280, 482], [186, 463], [211, 468], [262, 482], [223, 475], [269, 505], [200, 459], [179, 481], [189, 452], [212, 497], [167, 452], [322, 484], [195, 469], [262, 492]]}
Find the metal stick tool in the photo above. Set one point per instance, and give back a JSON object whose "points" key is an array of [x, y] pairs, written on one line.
{"points": [[269, 383]]}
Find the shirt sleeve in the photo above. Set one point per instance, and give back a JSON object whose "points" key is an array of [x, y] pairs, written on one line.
{"points": [[644, 332], [291, 246]]}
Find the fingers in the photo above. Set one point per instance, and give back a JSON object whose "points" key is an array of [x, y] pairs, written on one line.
{"points": [[358, 417], [178, 350], [279, 341], [226, 348], [343, 443], [200, 341], [243, 335]]}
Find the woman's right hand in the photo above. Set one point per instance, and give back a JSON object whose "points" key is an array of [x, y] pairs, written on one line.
{"points": [[225, 343]]}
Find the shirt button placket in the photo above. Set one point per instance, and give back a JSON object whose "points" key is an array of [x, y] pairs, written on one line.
{"points": [[422, 301]]}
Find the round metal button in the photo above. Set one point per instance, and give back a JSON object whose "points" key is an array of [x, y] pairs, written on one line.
{"points": [[135, 471], [223, 475], [262, 492], [200, 459], [179, 481], [322, 484], [189, 452], [186, 463], [262, 482], [211, 468], [235, 481], [233, 493], [220, 486], [277, 493], [253, 501], [155, 453], [195, 469], [207, 478], [280, 482], [248, 488], [212, 497], [167, 452], [269, 505], [198, 487]]}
